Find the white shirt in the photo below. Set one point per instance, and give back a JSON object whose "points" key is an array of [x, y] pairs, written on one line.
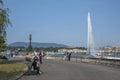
{"points": [[35, 53]]}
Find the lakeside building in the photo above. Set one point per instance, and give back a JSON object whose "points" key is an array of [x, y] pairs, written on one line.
{"points": [[80, 50], [72, 50], [118, 49], [110, 50]]}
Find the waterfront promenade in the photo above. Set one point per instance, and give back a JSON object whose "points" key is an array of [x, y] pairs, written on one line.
{"points": [[62, 70]]}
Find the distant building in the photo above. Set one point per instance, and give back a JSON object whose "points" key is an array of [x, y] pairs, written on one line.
{"points": [[110, 49], [72, 50], [118, 49]]}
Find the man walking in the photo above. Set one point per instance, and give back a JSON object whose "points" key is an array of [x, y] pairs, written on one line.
{"points": [[40, 56]]}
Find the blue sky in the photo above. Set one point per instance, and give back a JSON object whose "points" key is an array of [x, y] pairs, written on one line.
{"points": [[64, 21]]}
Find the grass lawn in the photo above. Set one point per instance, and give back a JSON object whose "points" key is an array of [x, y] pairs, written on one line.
{"points": [[10, 70]]}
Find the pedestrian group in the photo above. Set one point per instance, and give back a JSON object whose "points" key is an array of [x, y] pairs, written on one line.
{"points": [[67, 56], [37, 60]]}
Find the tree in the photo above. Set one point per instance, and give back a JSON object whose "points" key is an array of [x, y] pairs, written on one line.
{"points": [[2, 44], [4, 22]]}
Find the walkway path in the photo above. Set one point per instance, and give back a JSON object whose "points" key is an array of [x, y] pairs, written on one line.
{"points": [[61, 70]]}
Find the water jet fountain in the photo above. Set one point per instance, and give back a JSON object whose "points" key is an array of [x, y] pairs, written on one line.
{"points": [[90, 42]]}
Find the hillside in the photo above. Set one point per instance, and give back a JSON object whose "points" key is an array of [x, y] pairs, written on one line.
{"points": [[36, 44]]}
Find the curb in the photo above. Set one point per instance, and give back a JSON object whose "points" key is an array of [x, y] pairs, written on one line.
{"points": [[22, 74], [18, 78]]}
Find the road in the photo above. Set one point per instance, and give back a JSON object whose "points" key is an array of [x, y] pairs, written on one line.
{"points": [[62, 70]]}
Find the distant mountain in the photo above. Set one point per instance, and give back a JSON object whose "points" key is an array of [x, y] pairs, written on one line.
{"points": [[37, 44]]}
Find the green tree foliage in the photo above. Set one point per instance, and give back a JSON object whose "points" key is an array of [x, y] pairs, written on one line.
{"points": [[4, 19], [4, 22], [2, 44]]}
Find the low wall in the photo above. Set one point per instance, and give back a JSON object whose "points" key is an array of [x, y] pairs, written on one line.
{"points": [[87, 60]]}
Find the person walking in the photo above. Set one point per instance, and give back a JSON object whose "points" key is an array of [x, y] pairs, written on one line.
{"points": [[69, 56], [66, 56], [40, 56], [35, 54]]}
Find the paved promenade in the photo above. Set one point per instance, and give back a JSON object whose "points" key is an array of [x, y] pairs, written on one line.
{"points": [[62, 70]]}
